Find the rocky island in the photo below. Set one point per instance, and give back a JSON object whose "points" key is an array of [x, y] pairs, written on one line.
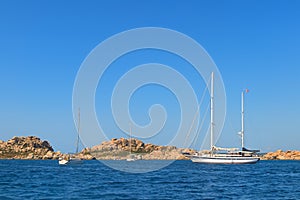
{"points": [[34, 148], [282, 155], [119, 149], [30, 147]]}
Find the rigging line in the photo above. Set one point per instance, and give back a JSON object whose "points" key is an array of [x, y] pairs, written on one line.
{"points": [[79, 141], [78, 130], [201, 125], [205, 138], [195, 116], [191, 127], [232, 128]]}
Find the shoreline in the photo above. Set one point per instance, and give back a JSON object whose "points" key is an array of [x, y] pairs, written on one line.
{"points": [[33, 148], [261, 159]]}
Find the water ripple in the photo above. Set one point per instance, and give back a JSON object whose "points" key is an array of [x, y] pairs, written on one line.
{"points": [[23, 179]]}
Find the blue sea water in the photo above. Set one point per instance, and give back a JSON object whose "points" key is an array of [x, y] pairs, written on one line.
{"points": [[45, 179]]}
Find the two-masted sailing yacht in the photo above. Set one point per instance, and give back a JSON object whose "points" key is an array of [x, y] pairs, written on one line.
{"points": [[217, 155]]}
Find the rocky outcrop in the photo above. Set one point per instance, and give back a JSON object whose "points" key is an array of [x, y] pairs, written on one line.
{"points": [[119, 149], [30, 147], [282, 155], [85, 155]]}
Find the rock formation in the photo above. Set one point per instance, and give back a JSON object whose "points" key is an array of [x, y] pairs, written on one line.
{"points": [[119, 149], [30, 147], [282, 155]]}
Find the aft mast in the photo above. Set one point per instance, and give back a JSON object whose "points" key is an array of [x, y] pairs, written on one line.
{"points": [[212, 113], [243, 121]]}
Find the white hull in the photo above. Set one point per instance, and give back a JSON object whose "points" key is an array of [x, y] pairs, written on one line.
{"points": [[133, 157], [130, 159], [70, 162], [224, 160]]}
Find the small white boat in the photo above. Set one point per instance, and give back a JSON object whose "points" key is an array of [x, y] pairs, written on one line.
{"points": [[217, 155], [72, 160], [132, 157]]}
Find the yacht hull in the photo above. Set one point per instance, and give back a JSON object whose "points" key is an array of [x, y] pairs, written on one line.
{"points": [[225, 160]]}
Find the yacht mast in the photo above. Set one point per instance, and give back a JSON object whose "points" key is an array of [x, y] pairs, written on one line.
{"points": [[243, 125], [212, 112]]}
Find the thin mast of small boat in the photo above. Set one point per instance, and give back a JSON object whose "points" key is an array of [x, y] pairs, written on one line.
{"points": [[78, 131], [212, 112], [130, 137], [72, 158]]}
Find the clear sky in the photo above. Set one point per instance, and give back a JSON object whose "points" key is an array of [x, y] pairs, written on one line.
{"points": [[255, 44]]}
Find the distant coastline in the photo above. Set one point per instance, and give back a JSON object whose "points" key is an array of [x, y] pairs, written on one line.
{"points": [[33, 148]]}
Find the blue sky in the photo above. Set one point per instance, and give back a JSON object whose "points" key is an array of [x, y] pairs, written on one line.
{"points": [[255, 45]]}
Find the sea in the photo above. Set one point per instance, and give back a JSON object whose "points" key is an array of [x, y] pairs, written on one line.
{"points": [[45, 179]]}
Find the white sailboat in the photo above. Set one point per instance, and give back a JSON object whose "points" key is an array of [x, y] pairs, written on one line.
{"points": [[71, 160], [217, 155], [131, 156]]}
